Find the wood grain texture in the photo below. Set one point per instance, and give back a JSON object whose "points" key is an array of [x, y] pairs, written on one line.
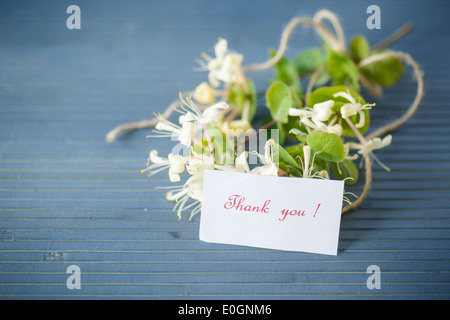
{"points": [[68, 197]]}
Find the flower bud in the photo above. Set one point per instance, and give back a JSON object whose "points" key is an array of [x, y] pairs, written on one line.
{"points": [[204, 93]]}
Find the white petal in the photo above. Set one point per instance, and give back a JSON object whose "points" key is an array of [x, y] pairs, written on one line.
{"points": [[221, 105], [322, 111], [194, 165], [307, 158], [214, 64], [354, 145], [336, 129], [241, 163], [174, 177], [231, 64], [189, 116], [177, 163], [295, 131], [387, 141], [375, 143], [187, 133], [295, 112], [269, 170], [212, 78], [185, 137], [362, 119], [321, 126], [308, 123], [324, 174], [196, 180], [155, 159], [204, 93], [213, 114], [221, 48], [198, 164], [240, 125], [171, 196], [211, 117], [345, 95], [348, 110], [162, 126], [269, 151]]}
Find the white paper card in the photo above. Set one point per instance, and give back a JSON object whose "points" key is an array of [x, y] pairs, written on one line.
{"points": [[282, 213]]}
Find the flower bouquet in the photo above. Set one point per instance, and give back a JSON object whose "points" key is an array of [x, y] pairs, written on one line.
{"points": [[317, 132]]}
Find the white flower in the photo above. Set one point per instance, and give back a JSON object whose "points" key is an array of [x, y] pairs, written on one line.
{"points": [[204, 93], [336, 129], [347, 151], [187, 117], [306, 157], [371, 145], [199, 162], [269, 168], [307, 169], [191, 190], [353, 108], [224, 66], [241, 125], [175, 164], [229, 68], [241, 164], [190, 121], [320, 111], [213, 114], [313, 118], [184, 133]]}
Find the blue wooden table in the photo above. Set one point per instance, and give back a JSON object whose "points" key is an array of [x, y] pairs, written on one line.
{"points": [[69, 198]]}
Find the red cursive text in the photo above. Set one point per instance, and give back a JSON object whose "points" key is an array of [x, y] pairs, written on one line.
{"points": [[286, 212], [237, 202]]}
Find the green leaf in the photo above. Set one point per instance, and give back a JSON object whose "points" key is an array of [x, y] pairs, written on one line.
{"points": [[309, 60], [320, 164], [275, 128], [385, 72], [237, 96], [218, 142], [281, 133], [279, 101], [327, 146], [285, 157], [342, 69], [197, 148], [299, 134], [323, 94], [295, 150], [285, 71], [346, 169], [323, 79], [285, 161], [359, 48], [292, 123]]}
